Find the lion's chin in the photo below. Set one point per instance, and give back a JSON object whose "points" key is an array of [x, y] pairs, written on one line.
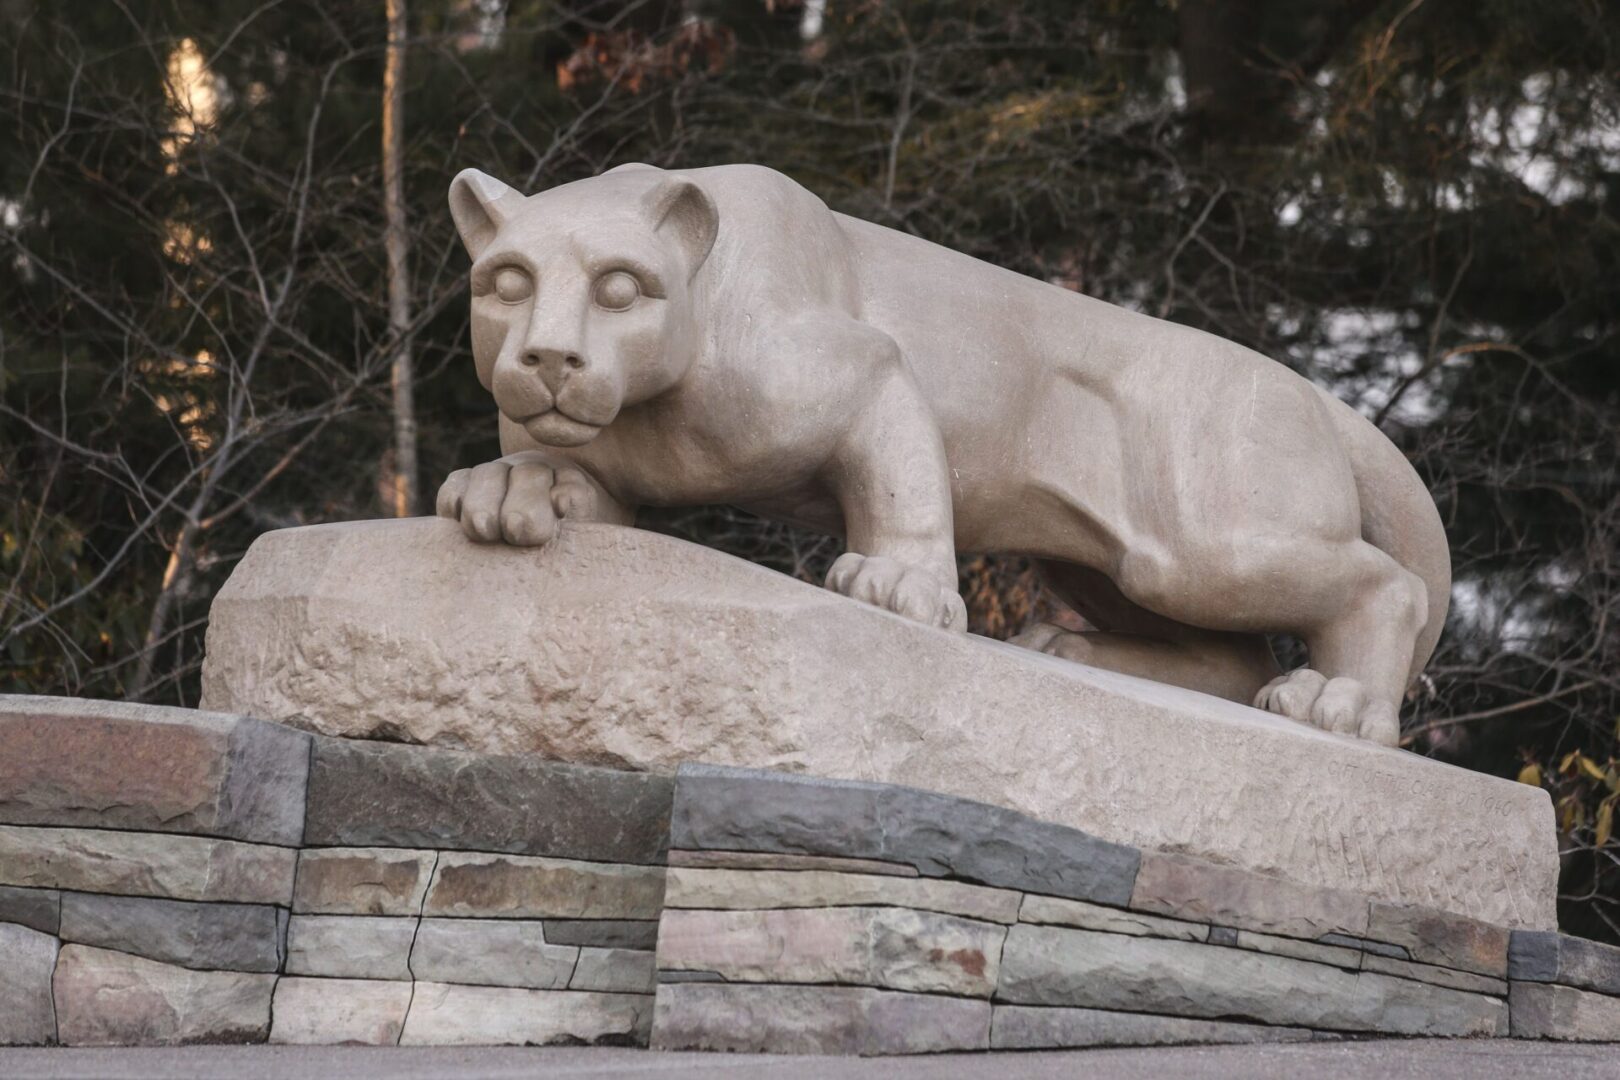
{"points": [[552, 428]]}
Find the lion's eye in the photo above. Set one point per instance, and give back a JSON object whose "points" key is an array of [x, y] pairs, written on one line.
{"points": [[616, 291], [512, 285]]}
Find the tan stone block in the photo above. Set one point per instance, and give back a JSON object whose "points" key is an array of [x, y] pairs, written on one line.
{"points": [[1440, 937], [469, 884], [492, 952], [446, 1015], [106, 998], [322, 1012], [1057, 911], [350, 946], [1200, 891], [362, 881], [687, 887], [146, 864], [1317, 953], [1439, 976], [1550, 1011]]}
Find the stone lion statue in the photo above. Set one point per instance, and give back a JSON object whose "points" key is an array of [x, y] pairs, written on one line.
{"points": [[719, 335]]}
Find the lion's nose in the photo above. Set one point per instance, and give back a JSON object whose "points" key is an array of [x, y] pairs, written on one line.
{"points": [[553, 365]]}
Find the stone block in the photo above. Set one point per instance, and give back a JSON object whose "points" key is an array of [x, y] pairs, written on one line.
{"points": [[106, 998], [1550, 1011], [1035, 1027], [1365, 945], [720, 809], [1200, 891], [1442, 938], [402, 629], [380, 794], [604, 933], [146, 864], [443, 1014], [469, 884], [1055, 911], [75, 761], [322, 1012], [687, 887], [1439, 976], [1314, 951], [615, 971], [37, 909], [350, 946], [228, 937], [27, 959], [893, 948], [1546, 956], [843, 1020], [491, 952], [768, 860], [362, 881], [1044, 965]]}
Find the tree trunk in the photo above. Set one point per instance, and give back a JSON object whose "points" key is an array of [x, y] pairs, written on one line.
{"points": [[396, 243]]}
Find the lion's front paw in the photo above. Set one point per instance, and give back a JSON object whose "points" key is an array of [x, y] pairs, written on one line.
{"points": [[898, 587], [518, 499], [1340, 705]]}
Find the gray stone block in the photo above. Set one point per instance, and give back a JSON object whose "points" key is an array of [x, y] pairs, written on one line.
{"points": [[146, 864], [1035, 1027], [74, 761], [447, 1015], [724, 809], [1439, 976], [1044, 965], [604, 933], [1187, 888], [106, 998], [615, 971], [766, 860], [362, 881], [1547, 956], [27, 959], [1055, 911], [1550, 1011], [1317, 952], [320, 1012], [1439, 937], [1365, 945], [815, 1020], [473, 885], [892, 948], [491, 952], [350, 946], [1223, 935], [691, 887], [226, 937], [374, 794], [37, 909]]}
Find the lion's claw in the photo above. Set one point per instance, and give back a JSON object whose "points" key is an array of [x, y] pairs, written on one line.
{"points": [[898, 587]]}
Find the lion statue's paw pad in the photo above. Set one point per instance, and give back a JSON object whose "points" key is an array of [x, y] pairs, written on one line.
{"points": [[899, 587], [1340, 705]]}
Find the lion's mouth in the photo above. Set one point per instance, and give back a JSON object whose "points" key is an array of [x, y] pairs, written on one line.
{"points": [[556, 428]]}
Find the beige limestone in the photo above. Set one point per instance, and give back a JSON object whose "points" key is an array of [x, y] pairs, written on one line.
{"points": [[658, 652], [106, 998], [146, 864], [447, 1015], [318, 1012], [735, 889]]}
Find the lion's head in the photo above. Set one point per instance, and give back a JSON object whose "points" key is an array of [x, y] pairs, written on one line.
{"points": [[580, 302]]}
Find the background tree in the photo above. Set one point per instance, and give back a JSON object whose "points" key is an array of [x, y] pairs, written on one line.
{"points": [[1410, 201]]}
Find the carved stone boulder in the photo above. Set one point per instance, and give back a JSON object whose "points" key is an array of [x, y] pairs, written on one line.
{"points": [[620, 647]]}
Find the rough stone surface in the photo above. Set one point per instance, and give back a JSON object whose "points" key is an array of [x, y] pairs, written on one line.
{"points": [[76, 761], [736, 889], [1204, 892], [766, 860], [615, 971], [1439, 976], [350, 946], [604, 933], [320, 1012], [942, 836], [146, 864], [1060, 912], [228, 937], [447, 1015], [106, 998], [471, 884], [1439, 937], [37, 909], [404, 628], [392, 795], [1367, 945], [1034, 1027], [1314, 951], [27, 958], [815, 1020], [1549, 1011], [1546, 956], [1044, 965], [893, 948], [362, 881], [491, 952]]}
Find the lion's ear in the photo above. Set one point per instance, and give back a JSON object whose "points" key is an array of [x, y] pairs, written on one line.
{"points": [[480, 205], [684, 212]]}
